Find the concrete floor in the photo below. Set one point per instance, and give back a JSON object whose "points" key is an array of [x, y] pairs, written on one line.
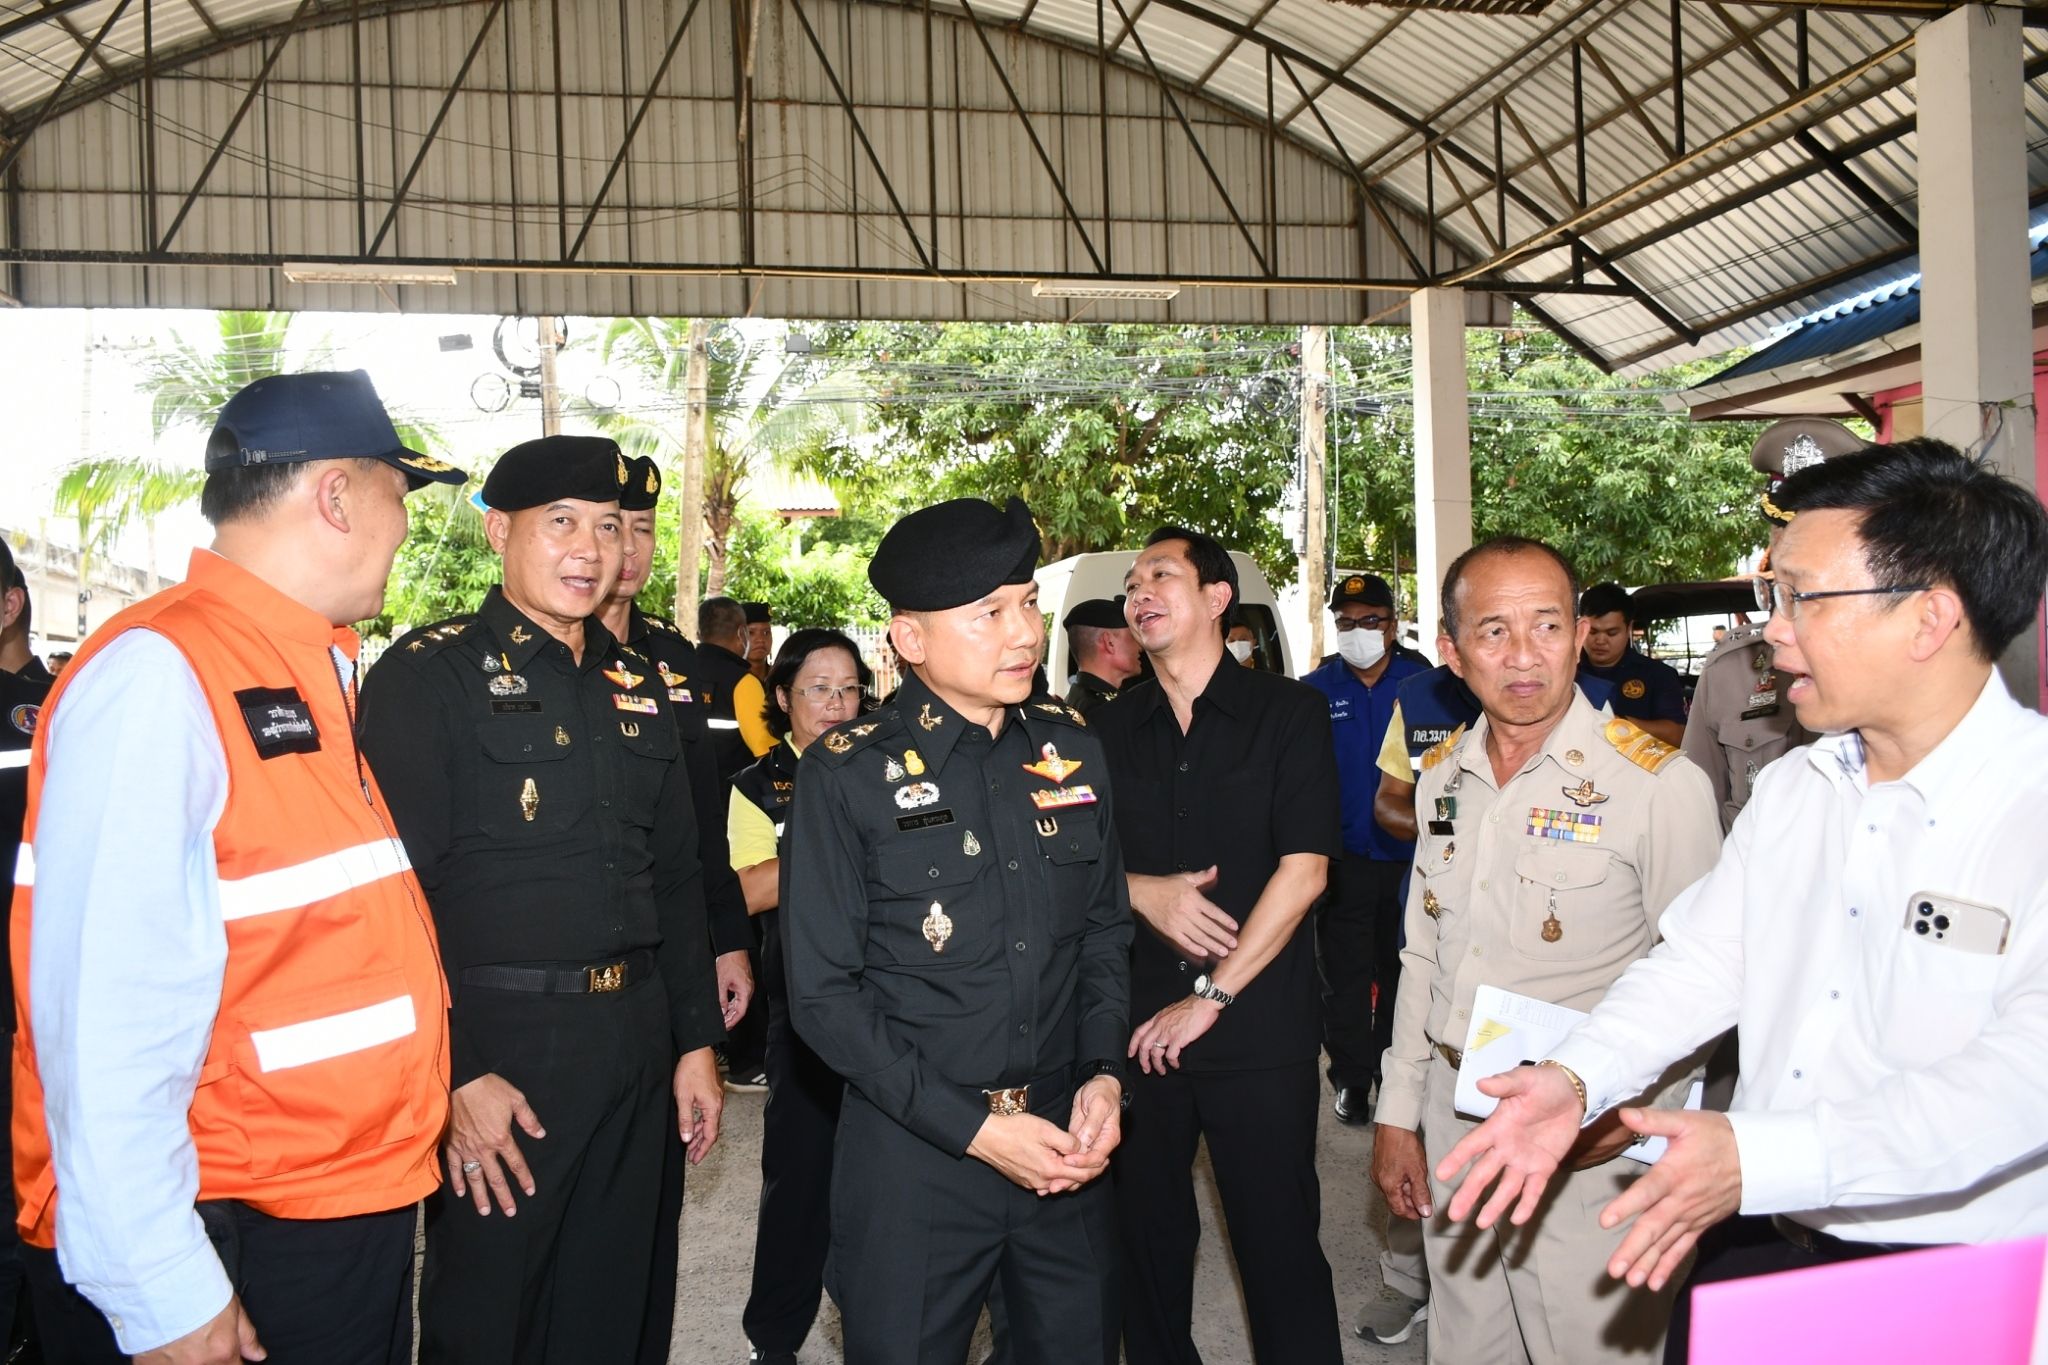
{"points": [[718, 1251]]}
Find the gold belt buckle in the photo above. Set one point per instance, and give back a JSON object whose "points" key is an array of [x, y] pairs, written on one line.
{"points": [[608, 978], [1449, 1054], [1015, 1100]]}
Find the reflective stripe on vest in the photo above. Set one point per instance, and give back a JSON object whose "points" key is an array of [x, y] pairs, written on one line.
{"points": [[14, 758], [316, 879], [319, 1040], [717, 724]]}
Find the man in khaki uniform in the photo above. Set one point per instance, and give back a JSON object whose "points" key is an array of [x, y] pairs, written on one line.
{"points": [[1551, 838], [1739, 724]]}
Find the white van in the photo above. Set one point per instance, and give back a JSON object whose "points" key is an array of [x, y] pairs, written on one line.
{"points": [[1069, 582]]}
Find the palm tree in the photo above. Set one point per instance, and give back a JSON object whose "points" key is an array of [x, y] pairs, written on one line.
{"points": [[766, 405], [188, 382]]}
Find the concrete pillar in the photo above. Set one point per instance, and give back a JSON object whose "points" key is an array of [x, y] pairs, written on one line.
{"points": [[1976, 312], [1443, 448]]}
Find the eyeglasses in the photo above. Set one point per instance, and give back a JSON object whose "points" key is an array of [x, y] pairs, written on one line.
{"points": [[1346, 624], [1770, 596], [821, 694]]}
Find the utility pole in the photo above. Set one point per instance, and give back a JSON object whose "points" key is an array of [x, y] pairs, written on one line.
{"points": [[1315, 424], [550, 341], [696, 434]]}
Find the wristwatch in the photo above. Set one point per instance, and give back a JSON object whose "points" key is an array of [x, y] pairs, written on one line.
{"points": [[1207, 989], [1115, 1071]]}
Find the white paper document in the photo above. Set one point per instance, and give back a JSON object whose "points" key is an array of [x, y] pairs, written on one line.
{"points": [[1508, 1030]]}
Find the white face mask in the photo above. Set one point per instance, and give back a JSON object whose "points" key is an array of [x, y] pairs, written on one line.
{"points": [[1361, 648], [1240, 650]]}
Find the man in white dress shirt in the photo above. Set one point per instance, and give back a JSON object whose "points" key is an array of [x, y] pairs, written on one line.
{"points": [[1877, 925]]}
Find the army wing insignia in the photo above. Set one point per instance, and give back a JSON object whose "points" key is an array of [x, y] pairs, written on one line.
{"points": [[519, 635], [1583, 796], [1051, 766]]}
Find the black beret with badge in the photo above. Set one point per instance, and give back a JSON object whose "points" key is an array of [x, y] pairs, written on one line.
{"points": [[757, 613], [1797, 443], [1366, 589], [643, 485], [1103, 613], [332, 415], [953, 553], [556, 469]]}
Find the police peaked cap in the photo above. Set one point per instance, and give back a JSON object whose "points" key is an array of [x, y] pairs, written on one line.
{"points": [[297, 418], [1366, 589], [1104, 613], [555, 469], [643, 485], [954, 553], [1788, 446]]}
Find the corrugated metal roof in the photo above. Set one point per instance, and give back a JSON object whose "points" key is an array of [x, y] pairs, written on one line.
{"points": [[1718, 238]]}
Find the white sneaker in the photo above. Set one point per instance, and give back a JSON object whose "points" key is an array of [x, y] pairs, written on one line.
{"points": [[1391, 1318]]}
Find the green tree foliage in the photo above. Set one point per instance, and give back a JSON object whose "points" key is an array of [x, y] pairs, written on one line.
{"points": [[1592, 464], [1107, 431], [444, 567], [826, 584]]}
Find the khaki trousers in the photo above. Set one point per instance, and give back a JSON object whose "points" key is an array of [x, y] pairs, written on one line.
{"points": [[1538, 1294]]}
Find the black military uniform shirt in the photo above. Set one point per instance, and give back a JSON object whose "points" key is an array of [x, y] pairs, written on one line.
{"points": [[1644, 688], [1254, 779], [21, 702], [1089, 692], [543, 806], [675, 662], [955, 914], [719, 671]]}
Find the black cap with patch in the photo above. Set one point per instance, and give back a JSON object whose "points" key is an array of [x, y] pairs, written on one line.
{"points": [[1366, 589], [1104, 613], [554, 469], [954, 553], [296, 418], [757, 613], [643, 485]]}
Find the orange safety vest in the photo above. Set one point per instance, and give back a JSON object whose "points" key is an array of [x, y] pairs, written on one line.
{"points": [[325, 1085]]}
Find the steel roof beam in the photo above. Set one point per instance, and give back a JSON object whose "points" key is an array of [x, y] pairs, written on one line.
{"points": [[632, 129], [434, 129], [13, 152]]}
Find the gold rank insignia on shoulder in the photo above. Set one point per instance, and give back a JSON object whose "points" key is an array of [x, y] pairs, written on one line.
{"points": [[1441, 750], [519, 635], [929, 721], [863, 731], [1051, 708], [1639, 746], [455, 628], [837, 743], [1583, 795], [416, 646]]}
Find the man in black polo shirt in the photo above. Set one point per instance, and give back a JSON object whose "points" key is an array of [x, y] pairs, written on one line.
{"points": [[1227, 811]]}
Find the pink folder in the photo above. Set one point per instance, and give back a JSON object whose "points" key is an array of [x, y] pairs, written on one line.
{"points": [[1974, 1304]]}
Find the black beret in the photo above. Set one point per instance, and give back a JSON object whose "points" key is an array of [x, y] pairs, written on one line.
{"points": [[757, 613], [1104, 613], [554, 468], [1366, 589], [954, 553], [643, 485]]}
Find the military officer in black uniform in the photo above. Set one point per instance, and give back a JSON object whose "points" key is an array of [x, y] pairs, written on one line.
{"points": [[732, 935], [731, 692], [533, 768], [1102, 650], [958, 936]]}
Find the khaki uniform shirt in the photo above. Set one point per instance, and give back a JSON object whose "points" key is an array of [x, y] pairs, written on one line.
{"points": [[1548, 886], [1740, 722]]}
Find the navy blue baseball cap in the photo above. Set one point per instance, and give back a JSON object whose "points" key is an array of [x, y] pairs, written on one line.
{"points": [[293, 418]]}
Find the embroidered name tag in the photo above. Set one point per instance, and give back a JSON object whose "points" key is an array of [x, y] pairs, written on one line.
{"points": [[502, 706], [279, 721], [1571, 827], [927, 820], [1055, 798]]}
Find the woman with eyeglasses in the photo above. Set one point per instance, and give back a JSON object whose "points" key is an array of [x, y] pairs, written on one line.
{"points": [[817, 681]]}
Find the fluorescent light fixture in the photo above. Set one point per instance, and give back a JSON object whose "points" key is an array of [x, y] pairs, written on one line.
{"points": [[1104, 289], [365, 272]]}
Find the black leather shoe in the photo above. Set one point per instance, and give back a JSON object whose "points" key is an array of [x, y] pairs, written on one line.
{"points": [[1352, 1107]]}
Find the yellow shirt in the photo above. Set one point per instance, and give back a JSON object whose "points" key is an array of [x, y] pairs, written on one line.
{"points": [[749, 831], [749, 707]]}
